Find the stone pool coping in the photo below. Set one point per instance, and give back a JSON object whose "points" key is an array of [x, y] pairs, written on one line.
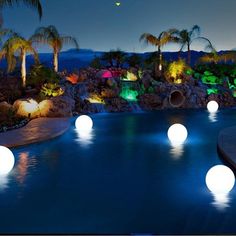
{"points": [[37, 130], [227, 145]]}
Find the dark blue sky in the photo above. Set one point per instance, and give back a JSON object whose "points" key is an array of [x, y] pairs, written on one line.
{"points": [[101, 25]]}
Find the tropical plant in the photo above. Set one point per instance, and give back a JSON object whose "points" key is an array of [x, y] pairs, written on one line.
{"points": [[18, 46], [134, 60], [51, 90], [185, 38], [40, 74], [177, 72], [114, 58], [96, 63], [163, 38], [50, 35], [35, 4]]}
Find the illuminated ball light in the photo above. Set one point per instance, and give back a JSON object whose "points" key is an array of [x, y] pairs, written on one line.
{"points": [[212, 106], [220, 179], [177, 134], [7, 160], [84, 123]]}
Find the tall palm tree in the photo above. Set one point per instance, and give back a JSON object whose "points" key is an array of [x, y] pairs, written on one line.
{"points": [[17, 46], [35, 4], [160, 41], [50, 35], [186, 37]]}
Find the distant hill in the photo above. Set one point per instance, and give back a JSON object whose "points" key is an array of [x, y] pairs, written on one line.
{"points": [[73, 59]]}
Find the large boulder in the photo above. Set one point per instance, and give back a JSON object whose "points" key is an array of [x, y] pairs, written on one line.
{"points": [[150, 101], [117, 105], [61, 106], [28, 108], [2, 97], [5, 107]]}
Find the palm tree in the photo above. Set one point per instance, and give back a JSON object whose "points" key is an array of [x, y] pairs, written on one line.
{"points": [[185, 38], [211, 56], [17, 46], [35, 4], [50, 35], [160, 41]]}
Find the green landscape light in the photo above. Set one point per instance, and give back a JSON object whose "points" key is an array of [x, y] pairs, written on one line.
{"points": [[129, 94]]}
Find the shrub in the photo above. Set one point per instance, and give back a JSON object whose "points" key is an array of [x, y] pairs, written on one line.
{"points": [[51, 90], [39, 75], [177, 72]]}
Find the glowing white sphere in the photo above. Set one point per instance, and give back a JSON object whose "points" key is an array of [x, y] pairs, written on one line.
{"points": [[220, 179], [84, 123], [7, 160], [212, 106], [177, 134]]}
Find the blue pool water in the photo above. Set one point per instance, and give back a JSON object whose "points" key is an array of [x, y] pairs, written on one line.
{"points": [[123, 178]]}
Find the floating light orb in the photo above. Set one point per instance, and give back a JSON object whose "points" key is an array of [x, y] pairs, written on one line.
{"points": [[220, 180], [7, 160], [84, 123], [212, 106], [177, 134]]}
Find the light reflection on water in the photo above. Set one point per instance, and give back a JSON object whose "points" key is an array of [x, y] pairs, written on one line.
{"points": [[176, 151], [213, 117], [20, 171], [4, 180], [84, 137], [221, 201]]}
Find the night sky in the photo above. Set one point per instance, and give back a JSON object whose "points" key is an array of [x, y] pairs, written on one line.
{"points": [[101, 25]]}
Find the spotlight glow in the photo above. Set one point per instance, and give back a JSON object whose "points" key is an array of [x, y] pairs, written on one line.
{"points": [[84, 123], [212, 106], [7, 160], [177, 134], [220, 180]]}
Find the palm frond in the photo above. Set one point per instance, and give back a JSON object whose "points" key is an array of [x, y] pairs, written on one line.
{"points": [[69, 40], [35, 4]]}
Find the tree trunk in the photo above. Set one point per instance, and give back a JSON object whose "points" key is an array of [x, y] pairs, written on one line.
{"points": [[55, 61], [160, 60], [23, 69], [189, 54]]}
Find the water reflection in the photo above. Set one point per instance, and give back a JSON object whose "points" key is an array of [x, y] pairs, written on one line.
{"points": [[22, 167], [84, 137], [221, 201], [3, 182], [212, 117], [176, 151]]}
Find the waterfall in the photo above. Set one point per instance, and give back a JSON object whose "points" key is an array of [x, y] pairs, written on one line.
{"points": [[98, 107], [82, 90], [135, 107]]}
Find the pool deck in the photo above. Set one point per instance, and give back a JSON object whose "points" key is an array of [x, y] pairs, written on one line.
{"points": [[37, 130], [227, 145]]}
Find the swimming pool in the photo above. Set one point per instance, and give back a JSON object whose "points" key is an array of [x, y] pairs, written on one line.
{"points": [[123, 178]]}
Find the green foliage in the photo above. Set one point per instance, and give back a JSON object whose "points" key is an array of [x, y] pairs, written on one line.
{"points": [[209, 78], [212, 91], [134, 60], [51, 90], [219, 70], [39, 75], [96, 63]]}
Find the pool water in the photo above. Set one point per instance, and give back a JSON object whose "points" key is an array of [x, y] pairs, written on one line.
{"points": [[123, 178]]}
